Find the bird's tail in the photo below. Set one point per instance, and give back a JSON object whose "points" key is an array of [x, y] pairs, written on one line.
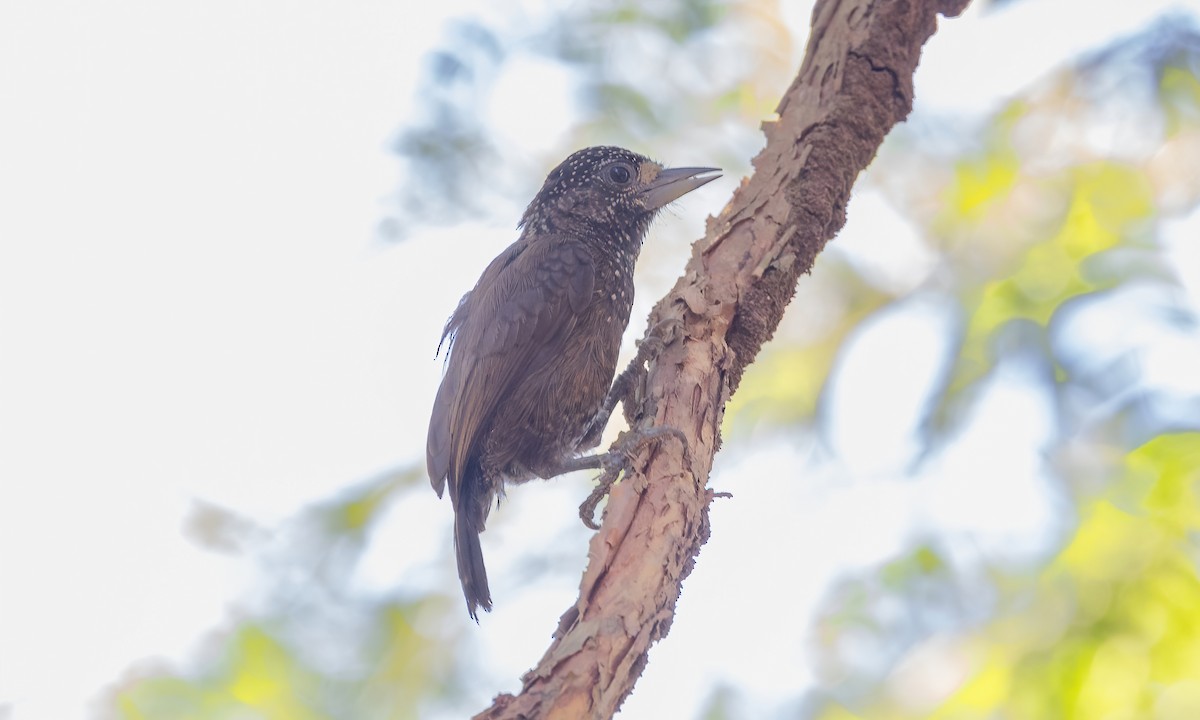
{"points": [[473, 502]]}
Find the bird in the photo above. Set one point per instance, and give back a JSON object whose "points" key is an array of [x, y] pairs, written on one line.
{"points": [[532, 348]]}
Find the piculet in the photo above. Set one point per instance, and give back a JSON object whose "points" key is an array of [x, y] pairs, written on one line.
{"points": [[532, 349]]}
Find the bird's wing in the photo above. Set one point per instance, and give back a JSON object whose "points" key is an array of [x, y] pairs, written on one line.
{"points": [[528, 298]]}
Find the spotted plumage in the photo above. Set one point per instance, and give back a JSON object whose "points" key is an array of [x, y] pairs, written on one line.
{"points": [[533, 347]]}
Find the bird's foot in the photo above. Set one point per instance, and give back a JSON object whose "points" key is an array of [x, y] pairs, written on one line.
{"points": [[618, 459], [657, 338]]}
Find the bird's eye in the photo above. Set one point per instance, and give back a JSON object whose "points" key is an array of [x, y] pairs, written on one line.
{"points": [[619, 174]]}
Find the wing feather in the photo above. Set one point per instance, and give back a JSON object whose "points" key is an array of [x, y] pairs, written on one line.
{"points": [[527, 299]]}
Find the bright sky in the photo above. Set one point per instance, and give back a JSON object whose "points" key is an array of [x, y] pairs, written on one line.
{"points": [[193, 306]]}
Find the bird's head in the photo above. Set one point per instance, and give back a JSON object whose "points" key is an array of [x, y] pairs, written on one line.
{"points": [[609, 188]]}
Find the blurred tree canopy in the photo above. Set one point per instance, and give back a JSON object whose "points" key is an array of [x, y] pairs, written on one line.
{"points": [[1053, 232], [1044, 237]]}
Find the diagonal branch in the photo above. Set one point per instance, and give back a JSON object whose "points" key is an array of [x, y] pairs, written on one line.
{"points": [[854, 85]]}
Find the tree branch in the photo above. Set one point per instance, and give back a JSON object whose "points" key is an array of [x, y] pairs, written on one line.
{"points": [[855, 84]]}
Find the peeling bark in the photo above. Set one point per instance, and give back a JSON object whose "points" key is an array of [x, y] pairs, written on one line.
{"points": [[854, 85]]}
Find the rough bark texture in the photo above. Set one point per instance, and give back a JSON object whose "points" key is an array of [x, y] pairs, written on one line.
{"points": [[855, 84]]}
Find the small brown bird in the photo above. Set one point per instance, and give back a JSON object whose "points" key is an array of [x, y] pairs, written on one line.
{"points": [[533, 347]]}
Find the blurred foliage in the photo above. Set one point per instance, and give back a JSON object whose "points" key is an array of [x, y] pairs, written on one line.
{"points": [[720, 67], [1044, 218], [1109, 628], [315, 645], [1056, 205]]}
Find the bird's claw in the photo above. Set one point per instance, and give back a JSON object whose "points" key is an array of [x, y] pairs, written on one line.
{"points": [[587, 510], [618, 458], [658, 338]]}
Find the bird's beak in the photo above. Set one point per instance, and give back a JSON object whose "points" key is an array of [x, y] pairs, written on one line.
{"points": [[673, 183]]}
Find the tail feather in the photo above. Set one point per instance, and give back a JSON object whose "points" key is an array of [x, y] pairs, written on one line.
{"points": [[472, 505]]}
